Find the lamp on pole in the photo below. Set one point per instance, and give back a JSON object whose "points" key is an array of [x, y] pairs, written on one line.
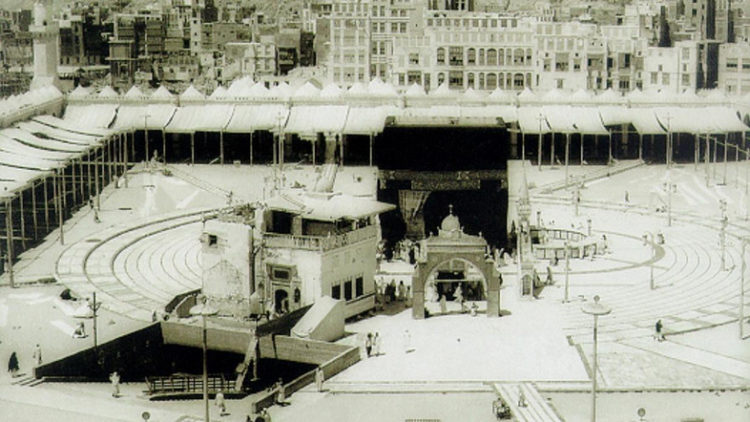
{"points": [[741, 313], [652, 240], [567, 270], [596, 309], [203, 310], [94, 305], [723, 233], [540, 118]]}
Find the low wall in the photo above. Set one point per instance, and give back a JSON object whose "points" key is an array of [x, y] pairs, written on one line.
{"points": [[348, 357], [299, 350]]}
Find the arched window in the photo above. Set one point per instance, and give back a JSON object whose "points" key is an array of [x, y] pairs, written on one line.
{"points": [[491, 81], [528, 57], [440, 55], [481, 81], [492, 57], [471, 56], [470, 80], [441, 78], [518, 81], [481, 57], [518, 56]]}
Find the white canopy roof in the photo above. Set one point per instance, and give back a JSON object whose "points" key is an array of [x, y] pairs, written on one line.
{"points": [[248, 118], [331, 207], [156, 116], [365, 120], [200, 118], [559, 118], [310, 119], [587, 120], [532, 120], [645, 122], [91, 115]]}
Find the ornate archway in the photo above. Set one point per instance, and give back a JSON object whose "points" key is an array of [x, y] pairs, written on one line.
{"points": [[450, 244]]}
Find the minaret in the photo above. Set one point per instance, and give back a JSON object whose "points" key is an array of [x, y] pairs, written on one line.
{"points": [[46, 38], [525, 253]]}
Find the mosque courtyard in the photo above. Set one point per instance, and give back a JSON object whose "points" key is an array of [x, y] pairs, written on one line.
{"points": [[448, 367]]}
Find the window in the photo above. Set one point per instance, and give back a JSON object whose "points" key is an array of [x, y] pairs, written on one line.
{"points": [[686, 79], [470, 80], [491, 81], [559, 83], [665, 79], [456, 56], [359, 286], [732, 63], [441, 55], [492, 57], [654, 78], [413, 58], [625, 85], [456, 79], [336, 291], [471, 56], [348, 290]]}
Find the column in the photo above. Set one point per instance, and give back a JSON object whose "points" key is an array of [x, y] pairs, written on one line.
{"points": [[9, 241]]}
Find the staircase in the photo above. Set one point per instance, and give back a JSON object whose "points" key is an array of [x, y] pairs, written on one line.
{"points": [[536, 409], [28, 381], [250, 356]]}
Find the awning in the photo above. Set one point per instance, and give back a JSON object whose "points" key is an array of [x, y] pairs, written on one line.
{"points": [[28, 162], [588, 121], [684, 119], [365, 120], [248, 118], [16, 147], [200, 118], [155, 116], [59, 134], [559, 118], [91, 115], [725, 119], [15, 174], [645, 122], [71, 127], [531, 120], [328, 208], [311, 119], [36, 142], [613, 115]]}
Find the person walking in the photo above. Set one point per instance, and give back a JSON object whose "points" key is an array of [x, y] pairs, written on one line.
{"points": [[37, 356], [443, 305], [368, 344], [114, 378], [658, 327], [13, 365], [319, 378], [280, 392], [221, 403], [376, 344]]}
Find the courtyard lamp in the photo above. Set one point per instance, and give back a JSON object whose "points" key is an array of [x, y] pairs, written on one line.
{"points": [[596, 309], [203, 309]]}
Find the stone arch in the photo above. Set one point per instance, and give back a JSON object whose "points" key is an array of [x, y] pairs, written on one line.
{"points": [[436, 269], [434, 260]]}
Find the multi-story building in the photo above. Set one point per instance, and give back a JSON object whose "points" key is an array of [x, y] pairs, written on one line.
{"points": [[625, 47], [673, 69], [82, 38], [477, 50], [254, 59], [734, 68], [567, 52], [350, 39]]}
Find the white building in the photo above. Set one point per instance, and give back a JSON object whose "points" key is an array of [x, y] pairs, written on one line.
{"points": [[673, 69], [734, 68]]}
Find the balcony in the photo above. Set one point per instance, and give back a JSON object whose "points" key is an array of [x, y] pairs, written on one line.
{"points": [[318, 243]]}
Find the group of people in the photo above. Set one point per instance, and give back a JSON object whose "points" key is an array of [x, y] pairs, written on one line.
{"points": [[14, 366], [392, 292], [372, 344]]}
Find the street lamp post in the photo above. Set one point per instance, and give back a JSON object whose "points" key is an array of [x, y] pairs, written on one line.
{"points": [[203, 310], [596, 309], [539, 146], [652, 240], [723, 233], [567, 270], [742, 290]]}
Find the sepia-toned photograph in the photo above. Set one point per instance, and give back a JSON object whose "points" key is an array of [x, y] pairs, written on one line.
{"points": [[375, 210]]}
